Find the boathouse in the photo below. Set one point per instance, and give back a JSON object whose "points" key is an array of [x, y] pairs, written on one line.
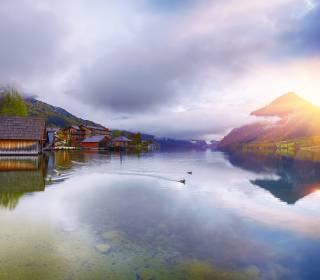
{"points": [[73, 135], [95, 142], [22, 135], [91, 130], [120, 142]]}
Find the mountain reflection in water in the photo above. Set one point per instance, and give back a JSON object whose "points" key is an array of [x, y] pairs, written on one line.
{"points": [[294, 178]]}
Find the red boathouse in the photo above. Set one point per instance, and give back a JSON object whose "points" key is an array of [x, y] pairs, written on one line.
{"points": [[95, 142]]}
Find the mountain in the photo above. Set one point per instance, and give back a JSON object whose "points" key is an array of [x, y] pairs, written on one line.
{"points": [[58, 117], [213, 144], [285, 105], [55, 116], [175, 144], [293, 118]]}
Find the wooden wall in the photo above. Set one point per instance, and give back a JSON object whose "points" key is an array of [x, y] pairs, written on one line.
{"points": [[120, 144], [94, 145]]}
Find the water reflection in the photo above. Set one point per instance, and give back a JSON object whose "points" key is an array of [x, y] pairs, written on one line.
{"points": [[289, 179], [27, 174], [111, 216], [20, 175], [66, 160], [159, 220]]}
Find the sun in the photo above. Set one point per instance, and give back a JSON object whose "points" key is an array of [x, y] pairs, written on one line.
{"points": [[312, 95]]}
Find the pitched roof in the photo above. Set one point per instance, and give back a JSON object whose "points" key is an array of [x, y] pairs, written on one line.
{"points": [[69, 127], [21, 128], [75, 127], [121, 139], [93, 139]]}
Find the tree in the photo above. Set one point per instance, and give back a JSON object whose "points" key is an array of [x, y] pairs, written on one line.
{"points": [[12, 104], [136, 137], [117, 133]]}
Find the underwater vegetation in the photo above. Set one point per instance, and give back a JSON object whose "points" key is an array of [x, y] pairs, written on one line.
{"points": [[47, 253]]}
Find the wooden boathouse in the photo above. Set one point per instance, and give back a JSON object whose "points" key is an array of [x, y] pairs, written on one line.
{"points": [[120, 143], [95, 142], [22, 135]]}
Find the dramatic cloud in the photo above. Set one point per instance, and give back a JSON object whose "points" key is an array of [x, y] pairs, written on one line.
{"points": [[171, 57], [182, 68]]}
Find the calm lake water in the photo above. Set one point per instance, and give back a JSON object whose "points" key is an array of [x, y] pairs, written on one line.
{"points": [[82, 215]]}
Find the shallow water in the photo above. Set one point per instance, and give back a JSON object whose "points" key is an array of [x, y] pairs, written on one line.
{"points": [[80, 215]]}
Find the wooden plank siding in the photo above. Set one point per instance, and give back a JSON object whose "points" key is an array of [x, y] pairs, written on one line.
{"points": [[95, 145], [95, 142], [22, 135]]}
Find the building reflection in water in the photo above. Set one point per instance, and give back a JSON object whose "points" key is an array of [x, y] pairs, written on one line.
{"points": [[295, 177], [28, 174], [21, 175]]}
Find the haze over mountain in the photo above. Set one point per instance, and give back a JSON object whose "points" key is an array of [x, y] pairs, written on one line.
{"points": [[294, 118]]}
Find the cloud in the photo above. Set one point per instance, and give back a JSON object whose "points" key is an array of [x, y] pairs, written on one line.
{"points": [[31, 40], [168, 59], [169, 5], [303, 38], [187, 69]]}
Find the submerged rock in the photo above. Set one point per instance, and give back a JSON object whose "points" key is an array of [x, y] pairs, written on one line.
{"points": [[103, 248], [113, 236]]}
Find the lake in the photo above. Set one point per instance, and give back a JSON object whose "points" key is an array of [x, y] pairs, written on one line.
{"points": [[88, 215]]}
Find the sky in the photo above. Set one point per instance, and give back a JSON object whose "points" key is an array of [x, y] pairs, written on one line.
{"points": [[188, 69]]}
